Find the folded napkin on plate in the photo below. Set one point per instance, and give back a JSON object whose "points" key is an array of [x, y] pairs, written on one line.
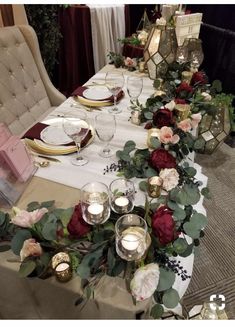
{"points": [[35, 131], [79, 92]]}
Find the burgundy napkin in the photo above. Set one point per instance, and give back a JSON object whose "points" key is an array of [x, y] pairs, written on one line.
{"points": [[35, 131], [79, 91]]}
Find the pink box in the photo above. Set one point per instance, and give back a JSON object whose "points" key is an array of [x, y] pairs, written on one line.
{"points": [[18, 160]]}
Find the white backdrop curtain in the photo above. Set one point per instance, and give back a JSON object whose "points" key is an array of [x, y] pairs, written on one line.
{"points": [[107, 26]]}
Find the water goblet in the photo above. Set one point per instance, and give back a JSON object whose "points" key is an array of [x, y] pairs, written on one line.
{"points": [[105, 127], [114, 81], [95, 203], [77, 129], [134, 88]]}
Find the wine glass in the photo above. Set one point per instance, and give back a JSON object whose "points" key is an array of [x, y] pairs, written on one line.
{"points": [[134, 88], [77, 129], [105, 127], [114, 81]]}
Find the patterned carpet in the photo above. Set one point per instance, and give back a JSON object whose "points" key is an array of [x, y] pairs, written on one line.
{"points": [[214, 268]]}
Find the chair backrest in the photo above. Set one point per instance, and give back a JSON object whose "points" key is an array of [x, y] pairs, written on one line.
{"points": [[23, 96]]}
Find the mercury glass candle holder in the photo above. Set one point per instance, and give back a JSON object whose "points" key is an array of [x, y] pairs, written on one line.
{"points": [[135, 117], [131, 237], [182, 111], [154, 186], [186, 76], [122, 195], [95, 203], [61, 265]]}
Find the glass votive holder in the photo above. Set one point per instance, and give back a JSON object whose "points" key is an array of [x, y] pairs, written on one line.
{"points": [[61, 265], [131, 237], [154, 186], [122, 195], [95, 203]]}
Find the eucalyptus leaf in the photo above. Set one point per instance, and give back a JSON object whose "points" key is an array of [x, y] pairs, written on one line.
{"points": [[84, 271], [179, 214], [172, 205], [118, 268], [33, 206], [18, 240], [66, 216], [47, 204], [148, 115], [191, 230], [180, 245], [199, 144], [150, 172], [188, 195], [124, 156], [166, 280], [170, 298], [49, 230], [206, 192], [157, 311], [2, 217], [26, 268], [191, 171], [143, 186], [111, 259], [199, 220], [188, 251]]}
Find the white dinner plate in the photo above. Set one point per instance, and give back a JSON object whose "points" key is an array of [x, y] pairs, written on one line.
{"points": [[97, 93], [55, 135]]}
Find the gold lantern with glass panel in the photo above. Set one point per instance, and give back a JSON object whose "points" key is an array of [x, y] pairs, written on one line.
{"points": [[213, 130], [160, 50]]}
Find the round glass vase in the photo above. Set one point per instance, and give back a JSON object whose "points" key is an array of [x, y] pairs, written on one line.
{"points": [[95, 203], [122, 195], [131, 237]]}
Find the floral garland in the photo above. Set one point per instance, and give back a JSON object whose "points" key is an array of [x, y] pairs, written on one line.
{"points": [[41, 231]]}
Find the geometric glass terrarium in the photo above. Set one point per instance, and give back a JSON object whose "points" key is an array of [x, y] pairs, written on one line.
{"points": [[213, 130], [160, 50]]}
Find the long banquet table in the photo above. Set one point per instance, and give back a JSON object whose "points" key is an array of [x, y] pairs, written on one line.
{"points": [[49, 299]]}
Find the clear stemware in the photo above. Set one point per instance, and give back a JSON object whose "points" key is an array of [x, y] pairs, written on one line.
{"points": [[105, 127], [77, 129], [134, 88], [114, 81]]}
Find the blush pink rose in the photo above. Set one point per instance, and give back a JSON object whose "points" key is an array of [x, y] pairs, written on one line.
{"points": [[185, 125], [129, 62], [30, 248], [195, 119], [166, 136], [26, 219]]}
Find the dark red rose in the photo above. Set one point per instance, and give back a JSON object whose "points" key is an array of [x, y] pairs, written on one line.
{"points": [[77, 226], [199, 78], [184, 87], [179, 101], [148, 125], [163, 117], [163, 225], [160, 159]]}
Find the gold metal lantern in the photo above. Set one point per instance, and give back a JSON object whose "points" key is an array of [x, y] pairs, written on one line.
{"points": [[160, 50], [213, 130]]}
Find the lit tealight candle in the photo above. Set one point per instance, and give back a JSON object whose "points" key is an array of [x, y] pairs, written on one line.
{"points": [[130, 242], [122, 202], [62, 267], [95, 210]]}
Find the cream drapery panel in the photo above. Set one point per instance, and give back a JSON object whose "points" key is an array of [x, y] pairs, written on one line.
{"points": [[107, 26]]}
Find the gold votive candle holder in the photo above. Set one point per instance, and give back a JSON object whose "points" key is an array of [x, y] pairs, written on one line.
{"points": [[61, 265], [154, 186], [182, 110], [186, 76]]}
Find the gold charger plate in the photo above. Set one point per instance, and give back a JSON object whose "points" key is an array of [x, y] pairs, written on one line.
{"points": [[47, 149]]}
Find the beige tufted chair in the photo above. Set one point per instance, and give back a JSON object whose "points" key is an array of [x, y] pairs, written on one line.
{"points": [[26, 92]]}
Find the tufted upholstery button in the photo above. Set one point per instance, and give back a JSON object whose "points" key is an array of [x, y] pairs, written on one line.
{"points": [[25, 88], [22, 66], [13, 95], [10, 71], [17, 44]]}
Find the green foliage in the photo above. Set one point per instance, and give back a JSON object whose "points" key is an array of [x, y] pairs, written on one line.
{"points": [[170, 298], [157, 311], [116, 59], [167, 279], [44, 20]]}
